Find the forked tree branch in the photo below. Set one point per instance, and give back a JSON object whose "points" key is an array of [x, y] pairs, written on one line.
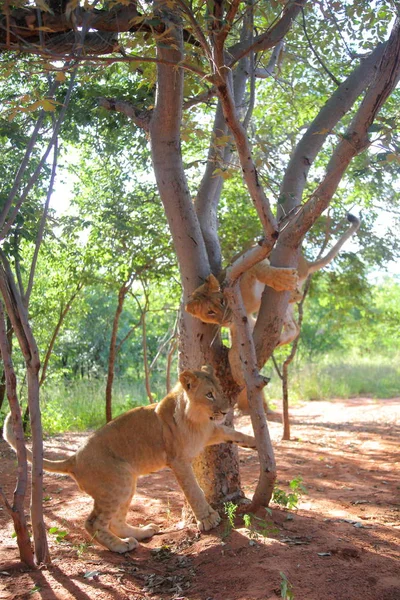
{"points": [[272, 36], [27, 157], [56, 331], [306, 151], [16, 510], [249, 170], [354, 141], [273, 306]]}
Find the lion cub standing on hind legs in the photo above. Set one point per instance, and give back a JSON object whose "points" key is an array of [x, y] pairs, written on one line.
{"points": [[143, 440]]}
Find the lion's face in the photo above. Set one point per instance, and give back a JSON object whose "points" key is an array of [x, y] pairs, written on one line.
{"points": [[206, 401], [207, 303]]}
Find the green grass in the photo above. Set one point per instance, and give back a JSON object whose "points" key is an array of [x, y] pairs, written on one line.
{"points": [[80, 405], [377, 377]]}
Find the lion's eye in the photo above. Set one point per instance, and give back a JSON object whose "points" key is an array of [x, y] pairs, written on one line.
{"points": [[210, 395], [211, 313], [221, 303]]}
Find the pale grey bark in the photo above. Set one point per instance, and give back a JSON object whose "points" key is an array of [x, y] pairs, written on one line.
{"points": [[210, 188], [19, 319], [219, 156], [196, 345], [16, 509], [307, 149], [272, 36], [385, 76], [325, 260], [140, 117]]}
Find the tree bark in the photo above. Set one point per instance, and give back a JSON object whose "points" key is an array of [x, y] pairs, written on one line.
{"points": [[197, 345], [16, 510], [146, 358], [19, 319], [306, 151], [9, 336], [123, 290]]}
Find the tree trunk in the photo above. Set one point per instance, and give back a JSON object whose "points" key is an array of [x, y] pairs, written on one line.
{"points": [[197, 345], [42, 555], [146, 359], [19, 319], [113, 350], [16, 511], [9, 337]]}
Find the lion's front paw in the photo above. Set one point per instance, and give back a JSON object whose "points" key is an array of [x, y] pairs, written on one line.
{"points": [[285, 279], [212, 520]]}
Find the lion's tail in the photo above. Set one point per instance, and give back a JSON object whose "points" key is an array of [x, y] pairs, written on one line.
{"points": [[54, 466]]}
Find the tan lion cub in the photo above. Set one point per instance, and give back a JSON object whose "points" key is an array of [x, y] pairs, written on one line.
{"points": [[146, 439]]}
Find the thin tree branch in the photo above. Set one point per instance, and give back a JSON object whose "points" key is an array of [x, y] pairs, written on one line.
{"points": [[56, 331], [268, 71], [42, 224], [16, 510], [198, 33], [271, 37], [127, 336], [124, 58], [249, 170], [277, 369], [203, 97], [317, 56], [36, 173], [27, 157]]}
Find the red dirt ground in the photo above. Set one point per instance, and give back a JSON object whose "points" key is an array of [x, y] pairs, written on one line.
{"points": [[342, 543]]}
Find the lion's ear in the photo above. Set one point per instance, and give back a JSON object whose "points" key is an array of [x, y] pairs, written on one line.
{"points": [[212, 283], [188, 379], [208, 369]]}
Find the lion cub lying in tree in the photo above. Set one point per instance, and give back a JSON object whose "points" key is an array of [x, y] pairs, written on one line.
{"points": [[207, 304], [207, 301], [146, 439]]}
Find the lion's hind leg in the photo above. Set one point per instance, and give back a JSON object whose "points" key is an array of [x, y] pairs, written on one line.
{"points": [[120, 527], [279, 278], [112, 491], [98, 526]]}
